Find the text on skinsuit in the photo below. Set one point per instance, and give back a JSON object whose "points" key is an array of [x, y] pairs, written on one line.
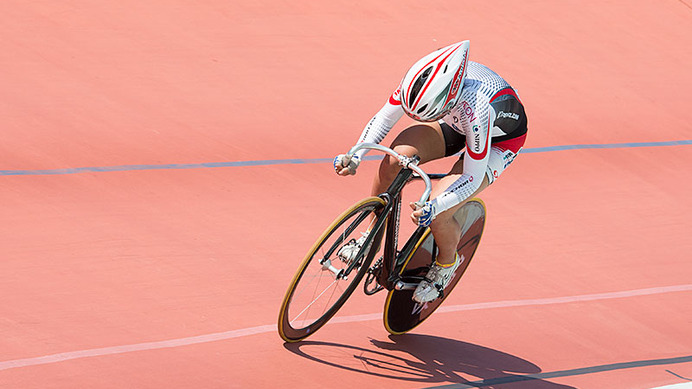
{"points": [[463, 183], [510, 115], [507, 158], [468, 111]]}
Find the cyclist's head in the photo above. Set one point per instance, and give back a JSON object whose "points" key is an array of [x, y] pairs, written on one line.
{"points": [[431, 87]]}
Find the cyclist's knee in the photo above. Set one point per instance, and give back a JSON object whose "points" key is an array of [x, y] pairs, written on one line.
{"points": [[388, 167], [442, 222]]}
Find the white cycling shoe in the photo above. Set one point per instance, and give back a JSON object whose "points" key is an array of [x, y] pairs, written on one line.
{"points": [[435, 282], [349, 251]]}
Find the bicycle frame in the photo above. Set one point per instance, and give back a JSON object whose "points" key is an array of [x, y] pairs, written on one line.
{"points": [[398, 271], [393, 261]]}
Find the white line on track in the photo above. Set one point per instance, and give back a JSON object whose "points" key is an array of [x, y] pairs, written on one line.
{"points": [[66, 356], [684, 385]]}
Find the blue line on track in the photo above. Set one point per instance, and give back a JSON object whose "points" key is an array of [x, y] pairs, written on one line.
{"points": [[607, 146], [271, 162], [540, 377]]}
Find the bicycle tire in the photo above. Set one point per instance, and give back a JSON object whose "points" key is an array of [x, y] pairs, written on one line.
{"points": [[401, 313], [311, 272]]}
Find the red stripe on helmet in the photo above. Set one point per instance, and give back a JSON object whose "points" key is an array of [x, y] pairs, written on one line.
{"points": [[419, 72], [454, 92], [422, 92], [408, 91]]}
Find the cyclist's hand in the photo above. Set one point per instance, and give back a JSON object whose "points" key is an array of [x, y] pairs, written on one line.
{"points": [[344, 166], [425, 215]]}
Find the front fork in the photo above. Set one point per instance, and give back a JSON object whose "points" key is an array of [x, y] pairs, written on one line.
{"points": [[378, 274], [391, 243]]}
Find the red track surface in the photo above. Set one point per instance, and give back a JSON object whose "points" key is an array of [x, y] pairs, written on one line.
{"points": [[121, 270]]}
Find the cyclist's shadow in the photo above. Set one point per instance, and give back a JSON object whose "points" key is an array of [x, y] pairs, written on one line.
{"points": [[429, 359]]}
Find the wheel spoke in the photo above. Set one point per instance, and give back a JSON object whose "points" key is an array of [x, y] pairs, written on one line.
{"points": [[323, 282], [313, 301]]}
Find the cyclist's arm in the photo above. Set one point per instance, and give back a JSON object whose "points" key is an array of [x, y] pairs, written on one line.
{"points": [[478, 143], [383, 121]]}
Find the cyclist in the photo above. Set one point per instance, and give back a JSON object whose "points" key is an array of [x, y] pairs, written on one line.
{"points": [[456, 104]]}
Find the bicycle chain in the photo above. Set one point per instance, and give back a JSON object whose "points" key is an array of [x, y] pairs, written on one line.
{"points": [[373, 272]]}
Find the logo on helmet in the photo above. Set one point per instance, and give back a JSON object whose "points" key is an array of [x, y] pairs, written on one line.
{"points": [[458, 77], [455, 85]]}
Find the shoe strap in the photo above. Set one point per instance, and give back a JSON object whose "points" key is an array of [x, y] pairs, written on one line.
{"points": [[445, 266]]}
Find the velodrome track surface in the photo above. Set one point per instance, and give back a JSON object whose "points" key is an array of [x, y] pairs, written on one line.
{"points": [[164, 166]]}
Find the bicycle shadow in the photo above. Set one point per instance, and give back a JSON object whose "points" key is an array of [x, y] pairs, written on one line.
{"points": [[429, 359]]}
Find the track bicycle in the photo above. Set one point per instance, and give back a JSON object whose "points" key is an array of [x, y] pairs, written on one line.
{"points": [[325, 280]]}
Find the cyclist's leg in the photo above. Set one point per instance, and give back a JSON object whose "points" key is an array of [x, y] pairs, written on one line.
{"points": [[447, 232], [426, 140], [445, 228]]}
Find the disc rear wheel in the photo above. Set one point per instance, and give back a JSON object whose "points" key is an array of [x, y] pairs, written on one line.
{"points": [[401, 313]]}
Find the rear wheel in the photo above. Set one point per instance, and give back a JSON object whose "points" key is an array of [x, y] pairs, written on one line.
{"points": [[401, 313], [324, 281]]}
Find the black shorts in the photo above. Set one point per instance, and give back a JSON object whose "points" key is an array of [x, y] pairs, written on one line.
{"points": [[510, 118], [454, 141]]}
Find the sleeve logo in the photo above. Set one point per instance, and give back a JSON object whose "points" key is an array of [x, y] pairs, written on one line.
{"points": [[395, 98]]}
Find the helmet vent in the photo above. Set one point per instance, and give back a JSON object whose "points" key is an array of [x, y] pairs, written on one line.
{"points": [[426, 73], [418, 85], [422, 109], [445, 69]]}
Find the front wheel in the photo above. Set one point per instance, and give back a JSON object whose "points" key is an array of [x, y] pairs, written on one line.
{"points": [[401, 313], [324, 281]]}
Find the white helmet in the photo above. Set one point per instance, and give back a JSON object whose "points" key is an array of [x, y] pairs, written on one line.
{"points": [[431, 87]]}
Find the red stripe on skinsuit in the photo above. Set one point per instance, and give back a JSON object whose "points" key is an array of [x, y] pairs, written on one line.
{"points": [[395, 100], [512, 145], [506, 91]]}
